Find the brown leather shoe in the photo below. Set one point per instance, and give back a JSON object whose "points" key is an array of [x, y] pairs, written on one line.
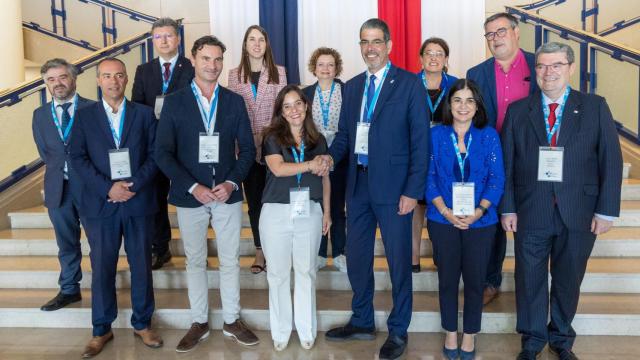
{"points": [[490, 293], [196, 333], [95, 345], [239, 332], [149, 337]]}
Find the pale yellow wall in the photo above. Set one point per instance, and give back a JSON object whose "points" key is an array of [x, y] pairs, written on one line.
{"points": [[16, 141], [39, 47]]}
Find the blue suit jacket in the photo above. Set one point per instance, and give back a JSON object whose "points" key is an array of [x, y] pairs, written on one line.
{"points": [[92, 140], [177, 145], [398, 137], [54, 153], [484, 75]]}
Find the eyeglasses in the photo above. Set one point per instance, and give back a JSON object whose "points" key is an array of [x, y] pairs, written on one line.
{"points": [[459, 101], [555, 67], [376, 43], [492, 35], [287, 108], [434, 54], [165, 36]]}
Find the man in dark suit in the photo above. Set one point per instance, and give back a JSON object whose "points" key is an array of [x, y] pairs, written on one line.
{"points": [[506, 77], [200, 128], [52, 129], [563, 170], [112, 150], [385, 135], [155, 79]]}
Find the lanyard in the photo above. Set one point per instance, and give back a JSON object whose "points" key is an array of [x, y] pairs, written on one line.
{"points": [[459, 155], [117, 137], [206, 120], [254, 91], [64, 133], [369, 110], [546, 112], [444, 86], [325, 106], [298, 159]]}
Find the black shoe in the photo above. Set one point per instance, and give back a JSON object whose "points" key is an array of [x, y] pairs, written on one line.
{"points": [[527, 355], [393, 347], [61, 300], [350, 332], [563, 354], [157, 261], [415, 268]]}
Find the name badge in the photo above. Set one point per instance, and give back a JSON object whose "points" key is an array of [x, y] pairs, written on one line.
{"points": [[208, 149], [362, 138], [550, 163], [329, 136], [463, 198], [300, 203], [158, 107], [120, 164]]}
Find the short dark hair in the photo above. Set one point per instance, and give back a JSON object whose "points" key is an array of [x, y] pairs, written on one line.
{"points": [[58, 62], [375, 23], [512, 19], [162, 22], [325, 51], [111, 58], [480, 119], [438, 41], [207, 40]]}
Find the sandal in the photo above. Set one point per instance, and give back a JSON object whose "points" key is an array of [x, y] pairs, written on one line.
{"points": [[257, 269]]}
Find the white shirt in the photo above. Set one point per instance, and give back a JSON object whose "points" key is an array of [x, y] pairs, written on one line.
{"points": [[547, 100], [72, 108], [114, 118], [171, 61], [377, 81]]}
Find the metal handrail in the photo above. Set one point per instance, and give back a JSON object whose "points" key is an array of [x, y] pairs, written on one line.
{"points": [[541, 4], [133, 14], [81, 43], [619, 26]]}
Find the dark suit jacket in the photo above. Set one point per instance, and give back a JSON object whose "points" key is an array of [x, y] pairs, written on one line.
{"points": [[90, 147], [177, 145], [310, 91], [54, 153], [398, 137], [592, 166], [484, 75], [148, 81]]}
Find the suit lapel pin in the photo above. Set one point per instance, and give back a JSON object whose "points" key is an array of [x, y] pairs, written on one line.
{"points": [[392, 80], [575, 111]]}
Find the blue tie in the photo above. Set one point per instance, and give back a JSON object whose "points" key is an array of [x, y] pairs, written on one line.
{"points": [[364, 159], [65, 115]]}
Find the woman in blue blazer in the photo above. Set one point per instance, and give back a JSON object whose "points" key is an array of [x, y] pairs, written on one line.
{"points": [[464, 185]]}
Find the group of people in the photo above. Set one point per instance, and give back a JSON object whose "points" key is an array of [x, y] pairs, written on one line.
{"points": [[477, 157]]}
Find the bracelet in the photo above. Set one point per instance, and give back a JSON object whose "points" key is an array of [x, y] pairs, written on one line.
{"points": [[444, 211], [483, 209]]}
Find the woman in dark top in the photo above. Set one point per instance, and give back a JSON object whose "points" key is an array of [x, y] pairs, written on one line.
{"points": [[291, 220]]}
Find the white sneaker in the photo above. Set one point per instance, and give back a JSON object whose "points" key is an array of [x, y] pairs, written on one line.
{"points": [[340, 262], [279, 346], [307, 345], [321, 262]]}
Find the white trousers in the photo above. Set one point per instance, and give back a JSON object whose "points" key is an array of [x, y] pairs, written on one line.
{"points": [[226, 220], [290, 242]]}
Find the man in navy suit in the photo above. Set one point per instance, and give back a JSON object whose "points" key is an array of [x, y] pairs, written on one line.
{"points": [[506, 77], [205, 146], [384, 133], [155, 79], [52, 129], [563, 168], [112, 150]]}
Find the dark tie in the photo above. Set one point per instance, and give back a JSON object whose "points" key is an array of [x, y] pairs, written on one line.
{"points": [[552, 121], [364, 159], [65, 115], [167, 71]]}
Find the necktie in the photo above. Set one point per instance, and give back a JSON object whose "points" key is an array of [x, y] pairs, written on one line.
{"points": [[364, 159], [552, 121], [167, 71], [65, 115]]}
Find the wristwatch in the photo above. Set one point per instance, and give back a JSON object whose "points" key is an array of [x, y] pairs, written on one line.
{"points": [[483, 209]]}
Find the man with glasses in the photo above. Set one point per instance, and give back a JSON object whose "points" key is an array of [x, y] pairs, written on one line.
{"points": [[563, 170], [155, 79], [506, 77], [383, 133]]}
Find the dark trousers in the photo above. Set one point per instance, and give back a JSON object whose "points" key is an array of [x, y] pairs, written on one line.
{"points": [[337, 231], [363, 216], [568, 251], [494, 269], [105, 237], [253, 187], [162, 229], [461, 252], [66, 225]]}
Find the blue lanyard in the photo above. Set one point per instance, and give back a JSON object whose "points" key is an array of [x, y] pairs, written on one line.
{"points": [[325, 106], [459, 155], [444, 87], [206, 120], [298, 159], [64, 133], [546, 112], [254, 90], [118, 136], [369, 111]]}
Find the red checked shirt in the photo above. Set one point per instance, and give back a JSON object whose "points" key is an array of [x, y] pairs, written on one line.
{"points": [[511, 86]]}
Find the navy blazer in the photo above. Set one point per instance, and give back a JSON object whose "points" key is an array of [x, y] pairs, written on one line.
{"points": [[147, 84], [54, 153], [310, 91], [592, 165], [398, 137], [177, 145], [486, 171], [90, 147], [484, 75]]}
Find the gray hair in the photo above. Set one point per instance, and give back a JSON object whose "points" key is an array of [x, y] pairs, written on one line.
{"points": [[512, 19], [110, 59], [162, 22], [375, 23], [556, 47], [56, 63]]}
